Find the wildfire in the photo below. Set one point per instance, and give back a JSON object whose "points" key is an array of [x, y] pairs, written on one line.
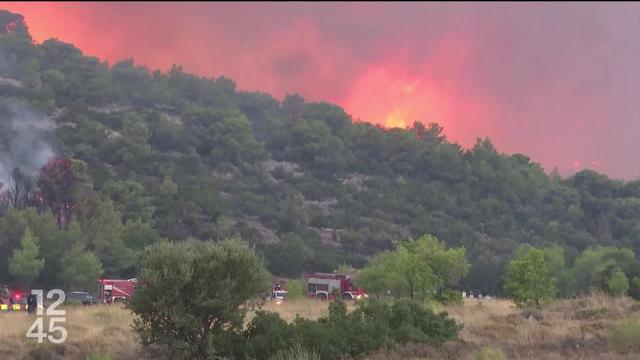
{"points": [[395, 120], [393, 98]]}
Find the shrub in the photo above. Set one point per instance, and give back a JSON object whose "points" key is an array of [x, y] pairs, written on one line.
{"points": [[449, 297], [618, 283], [373, 325], [490, 353], [267, 333], [296, 353], [625, 336], [296, 289]]}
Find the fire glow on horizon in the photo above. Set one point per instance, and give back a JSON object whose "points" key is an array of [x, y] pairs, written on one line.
{"points": [[554, 82]]}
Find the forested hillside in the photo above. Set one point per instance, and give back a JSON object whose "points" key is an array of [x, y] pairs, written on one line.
{"points": [[145, 155]]}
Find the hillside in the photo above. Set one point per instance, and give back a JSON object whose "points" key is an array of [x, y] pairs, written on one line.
{"points": [[173, 155]]}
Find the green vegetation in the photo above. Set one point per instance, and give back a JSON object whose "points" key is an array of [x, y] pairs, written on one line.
{"points": [[373, 325], [147, 156], [193, 299], [529, 280], [416, 269], [619, 284], [489, 353], [192, 292], [296, 288], [24, 263], [625, 336]]}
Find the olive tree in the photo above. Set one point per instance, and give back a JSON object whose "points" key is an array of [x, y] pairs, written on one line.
{"points": [[191, 292]]}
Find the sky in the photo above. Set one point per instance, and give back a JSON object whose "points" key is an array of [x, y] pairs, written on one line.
{"points": [[558, 82]]}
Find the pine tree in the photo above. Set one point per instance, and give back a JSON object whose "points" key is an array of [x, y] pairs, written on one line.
{"points": [[25, 263]]}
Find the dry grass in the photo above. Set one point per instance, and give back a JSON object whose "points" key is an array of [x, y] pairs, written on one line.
{"points": [[96, 329], [306, 308], [569, 329]]}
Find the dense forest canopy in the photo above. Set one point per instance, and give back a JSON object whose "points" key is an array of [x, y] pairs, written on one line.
{"points": [[145, 155]]}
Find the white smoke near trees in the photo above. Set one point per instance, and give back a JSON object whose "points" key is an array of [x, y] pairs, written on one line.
{"points": [[26, 140]]}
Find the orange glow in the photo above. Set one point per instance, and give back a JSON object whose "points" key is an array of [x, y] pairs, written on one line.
{"points": [[390, 98], [392, 91], [395, 120], [474, 71]]}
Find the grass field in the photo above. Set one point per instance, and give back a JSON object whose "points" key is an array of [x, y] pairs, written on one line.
{"points": [[595, 327]]}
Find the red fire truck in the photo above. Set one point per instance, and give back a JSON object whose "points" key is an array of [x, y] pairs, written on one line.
{"points": [[116, 290], [327, 286]]}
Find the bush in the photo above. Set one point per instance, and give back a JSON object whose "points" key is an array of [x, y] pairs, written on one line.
{"points": [[625, 336], [296, 289], [490, 353], [618, 283], [373, 325], [449, 297], [266, 334], [296, 353]]}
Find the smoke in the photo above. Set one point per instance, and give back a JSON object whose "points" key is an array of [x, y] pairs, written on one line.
{"points": [[26, 140]]}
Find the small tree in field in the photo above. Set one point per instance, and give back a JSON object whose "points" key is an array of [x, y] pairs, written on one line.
{"points": [[191, 292], [529, 280], [618, 284]]}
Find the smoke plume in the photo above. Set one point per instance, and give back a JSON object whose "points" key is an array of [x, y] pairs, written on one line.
{"points": [[26, 140]]}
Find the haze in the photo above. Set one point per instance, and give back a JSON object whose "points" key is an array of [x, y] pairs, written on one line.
{"points": [[557, 82]]}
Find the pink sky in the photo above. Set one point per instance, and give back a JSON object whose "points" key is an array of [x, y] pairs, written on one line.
{"points": [[557, 82]]}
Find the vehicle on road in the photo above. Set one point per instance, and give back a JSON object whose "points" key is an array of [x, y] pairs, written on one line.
{"points": [[83, 297]]}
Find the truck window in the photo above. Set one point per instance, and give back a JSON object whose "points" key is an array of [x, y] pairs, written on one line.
{"points": [[312, 288]]}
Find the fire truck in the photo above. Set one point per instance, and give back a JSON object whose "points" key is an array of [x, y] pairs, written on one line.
{"points": [[329, 286], [116, 290]]}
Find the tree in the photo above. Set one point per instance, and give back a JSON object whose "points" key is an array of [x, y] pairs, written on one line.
{"points": [[564, 278], [25, 263], [287, 257], [168, 187], [618, 283], [20, 189], [448, 265], [528, 278], [81, 269], [192, 291], [66, 188], [593, 267], [415, 268]]}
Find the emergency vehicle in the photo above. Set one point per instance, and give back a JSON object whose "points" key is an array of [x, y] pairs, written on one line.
{"points": [[116, 290], [328, 286]]}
